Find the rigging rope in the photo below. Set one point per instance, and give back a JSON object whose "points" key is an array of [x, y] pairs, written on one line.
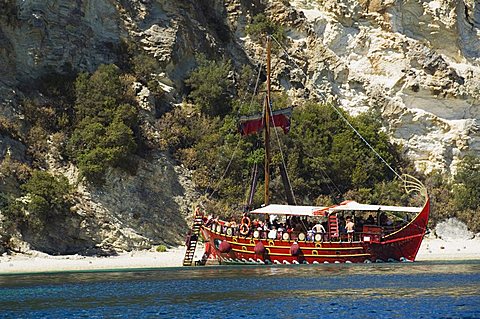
{"points": [[225, 172], [239, 140], [337, 110], [283, 157], [324, 173]]}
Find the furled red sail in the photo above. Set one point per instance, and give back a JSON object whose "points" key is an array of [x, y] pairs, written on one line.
{"points": [[253, 124], [250, 125]]}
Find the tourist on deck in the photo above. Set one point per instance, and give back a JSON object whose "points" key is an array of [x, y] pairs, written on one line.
{"points": [[383, 219], [350, 228], [280, 230], [235, 227], [272, 234], [310, 235], [319, 229], [370, 220], [389, 222]]}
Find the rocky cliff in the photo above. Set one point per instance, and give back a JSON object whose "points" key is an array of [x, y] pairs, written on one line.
{"points": [[415, 61]]}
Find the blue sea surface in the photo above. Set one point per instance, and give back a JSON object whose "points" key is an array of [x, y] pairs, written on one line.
{"points": [[401, 290]]}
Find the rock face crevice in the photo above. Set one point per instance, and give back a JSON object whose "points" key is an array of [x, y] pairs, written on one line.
{"points": [[415, 61]]}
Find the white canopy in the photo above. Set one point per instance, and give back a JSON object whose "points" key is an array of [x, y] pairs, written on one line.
{"points": [[319, 210], [289, 210], [351, 205]]}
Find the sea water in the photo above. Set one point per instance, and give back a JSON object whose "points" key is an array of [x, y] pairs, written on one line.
{"points": [[394, 290]]}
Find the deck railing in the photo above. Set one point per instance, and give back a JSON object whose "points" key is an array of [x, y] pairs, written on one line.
{"points": [[304, 236]]}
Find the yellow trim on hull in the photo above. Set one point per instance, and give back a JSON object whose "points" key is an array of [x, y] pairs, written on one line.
{"points": [[287, 247], [322, 256]]}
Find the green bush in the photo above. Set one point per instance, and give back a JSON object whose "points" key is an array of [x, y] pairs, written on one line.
{"points": [[467, 183], [262, 26], [48, 195], [47, 200], [441, 200], [161, 248], [144, 65], [8, 128], [466, 192], [323, 157], [13, 212], [210, 88], [106, 120]]}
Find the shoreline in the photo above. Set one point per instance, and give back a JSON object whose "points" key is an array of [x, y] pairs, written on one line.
{"points": [[36, 262], [435, 249]]}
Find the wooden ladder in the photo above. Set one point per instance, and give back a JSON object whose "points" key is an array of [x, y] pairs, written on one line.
{"points": [[333, 230], [192, 243]]}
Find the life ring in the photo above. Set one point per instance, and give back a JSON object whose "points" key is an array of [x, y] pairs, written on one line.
{"points": [[246, 221], [244, 229]]}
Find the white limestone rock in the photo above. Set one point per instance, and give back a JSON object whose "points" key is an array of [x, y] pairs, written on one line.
{"points": [[415, 61], [453, 229]]}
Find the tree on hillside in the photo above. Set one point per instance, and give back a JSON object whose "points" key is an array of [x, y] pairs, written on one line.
{"points": [[322, 154], [48, 194], [466, 192], [106, 120], [467, 183], [325, 155], [210, 86], [261, 26]]}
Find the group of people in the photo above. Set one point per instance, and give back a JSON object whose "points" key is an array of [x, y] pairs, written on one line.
{"points": [[296, 227], [271, 228]]}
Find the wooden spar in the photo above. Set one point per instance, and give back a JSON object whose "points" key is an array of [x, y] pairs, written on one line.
{"points": [[267, 126], [253, 187], [286, 185]]}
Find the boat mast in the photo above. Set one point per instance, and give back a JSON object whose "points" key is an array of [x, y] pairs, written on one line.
{"points": [[267, 126]]}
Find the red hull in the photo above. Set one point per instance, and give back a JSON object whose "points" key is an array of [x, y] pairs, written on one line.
{"points": [[401, 245]]}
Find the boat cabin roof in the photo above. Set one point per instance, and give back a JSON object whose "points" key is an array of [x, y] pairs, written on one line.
{"points": [[352, 205], [320, 210], [290, 210]]}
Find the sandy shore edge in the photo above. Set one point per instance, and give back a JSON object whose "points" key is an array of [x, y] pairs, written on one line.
{"points": [[430, 250]]}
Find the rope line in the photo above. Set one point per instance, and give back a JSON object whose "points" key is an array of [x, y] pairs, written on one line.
{"points": [[336, 109], [283, 157], [239, 140]]}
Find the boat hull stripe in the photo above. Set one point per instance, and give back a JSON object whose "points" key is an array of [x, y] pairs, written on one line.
{"points": [[305, 255]]}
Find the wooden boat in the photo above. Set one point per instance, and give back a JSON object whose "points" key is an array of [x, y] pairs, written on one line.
{"points": [[375, 240], [372, 243]]}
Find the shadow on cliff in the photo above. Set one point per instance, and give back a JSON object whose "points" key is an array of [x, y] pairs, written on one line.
{"points": [[63, 236], [145, 209]]}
